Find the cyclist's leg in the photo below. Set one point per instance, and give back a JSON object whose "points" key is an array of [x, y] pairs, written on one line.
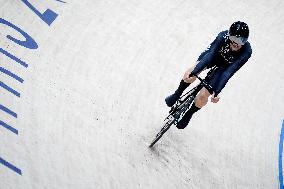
{"points": [[184, 83], [200, 100]]}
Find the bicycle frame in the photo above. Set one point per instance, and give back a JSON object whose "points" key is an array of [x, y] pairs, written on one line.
{"points": [[183, 104]]}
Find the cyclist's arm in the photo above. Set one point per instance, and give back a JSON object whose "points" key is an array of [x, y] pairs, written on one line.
{"points": [[231, 71], [207, 56]]}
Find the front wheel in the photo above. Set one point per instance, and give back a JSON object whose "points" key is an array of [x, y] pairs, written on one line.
{"points": [[173, 117], [162, 131]]}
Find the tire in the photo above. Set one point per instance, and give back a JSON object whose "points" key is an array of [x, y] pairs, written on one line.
{"points": [[175, 114], [162, 131]]}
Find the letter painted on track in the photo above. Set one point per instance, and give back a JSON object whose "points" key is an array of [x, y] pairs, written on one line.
{"points": [[48, 16], [28, 43]]}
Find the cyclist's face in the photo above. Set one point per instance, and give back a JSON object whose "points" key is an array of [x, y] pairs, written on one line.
{"points": [[236, 42], [234, 46]]}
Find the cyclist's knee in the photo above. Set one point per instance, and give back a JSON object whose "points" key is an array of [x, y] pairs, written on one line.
{"points": [[202, 97]]}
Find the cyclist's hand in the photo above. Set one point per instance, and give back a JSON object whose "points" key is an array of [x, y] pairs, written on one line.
{"points": [[215, 99], [186, 77]]}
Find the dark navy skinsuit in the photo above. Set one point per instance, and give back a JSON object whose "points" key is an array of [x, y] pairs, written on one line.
{"points": [[227, 61]]}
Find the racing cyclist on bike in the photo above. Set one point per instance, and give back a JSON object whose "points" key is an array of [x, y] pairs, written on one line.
{"points": [[229, 52]]}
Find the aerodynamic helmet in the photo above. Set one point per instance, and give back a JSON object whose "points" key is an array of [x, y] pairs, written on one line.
{"points": [[239, 32]]}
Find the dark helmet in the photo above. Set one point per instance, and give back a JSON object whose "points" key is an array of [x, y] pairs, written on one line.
{"points": [[239, 29]]}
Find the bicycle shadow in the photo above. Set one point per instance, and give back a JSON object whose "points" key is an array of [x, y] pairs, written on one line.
{"points": [[161, 157], [161, 152]]}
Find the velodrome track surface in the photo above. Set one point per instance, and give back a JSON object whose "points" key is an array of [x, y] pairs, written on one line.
{"points": [[82, 99]]}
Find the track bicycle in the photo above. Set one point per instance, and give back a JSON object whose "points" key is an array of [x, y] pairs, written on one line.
{"points": [[183, 104]]}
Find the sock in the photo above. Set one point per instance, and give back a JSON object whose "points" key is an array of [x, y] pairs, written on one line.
{"points": [[182, 86], [187, 117], [193, 109]]}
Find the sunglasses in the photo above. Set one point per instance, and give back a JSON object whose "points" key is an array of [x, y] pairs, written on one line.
{"points": [[238, 40]]}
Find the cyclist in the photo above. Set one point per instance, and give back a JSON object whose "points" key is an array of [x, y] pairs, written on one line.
{"points": [[229, 52]]}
